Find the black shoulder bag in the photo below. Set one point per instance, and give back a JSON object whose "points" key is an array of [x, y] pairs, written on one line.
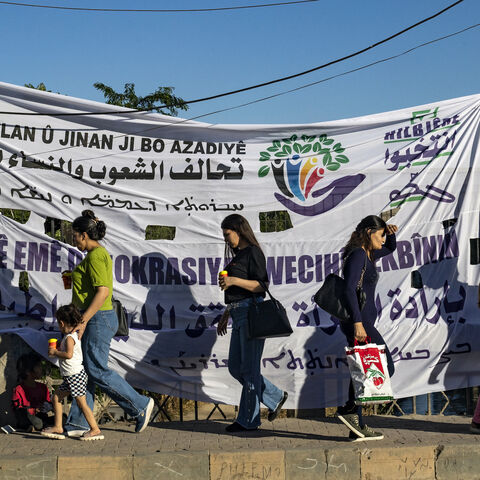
{"points": [[268, 319], [121, 313], [332, 295]]}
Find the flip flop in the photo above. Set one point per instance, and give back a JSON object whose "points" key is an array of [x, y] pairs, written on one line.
{"points": [[87, 436], [53, 435]]}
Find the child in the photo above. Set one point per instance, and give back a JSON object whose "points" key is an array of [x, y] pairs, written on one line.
{"points": [[31, 399], [73, 373]]}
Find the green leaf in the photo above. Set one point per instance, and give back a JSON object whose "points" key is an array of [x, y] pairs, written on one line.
{"points": [[337, 146], [277, 144], [263, 171], [342, 158], [325, 161], [316, 147], [328, 141], [327, 157], [322, 137], [287, 149], [281, 154], [333, 166], [323, 151], [264, 156], [308, 139], [297, 147], [286, 140], [306, 148], [293, 138], [272, 149], [339, 150]]}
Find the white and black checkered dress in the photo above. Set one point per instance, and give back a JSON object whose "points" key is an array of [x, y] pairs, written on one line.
{"points": [[74, 376], [75, 384]]}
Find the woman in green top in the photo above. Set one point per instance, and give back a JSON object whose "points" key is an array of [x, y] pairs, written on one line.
{"points": [[92, 284]]}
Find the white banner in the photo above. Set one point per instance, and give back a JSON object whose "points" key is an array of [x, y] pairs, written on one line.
{"points": [[139, 169]]}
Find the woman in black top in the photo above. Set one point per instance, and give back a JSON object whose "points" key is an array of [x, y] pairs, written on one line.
{"points": [[371, 240], [247, 279]]}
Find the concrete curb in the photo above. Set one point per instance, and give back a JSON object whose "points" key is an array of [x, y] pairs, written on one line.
{"points": [[362, 462]]}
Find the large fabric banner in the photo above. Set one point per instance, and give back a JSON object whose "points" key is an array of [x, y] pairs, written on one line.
{"points": [[61, 155]]}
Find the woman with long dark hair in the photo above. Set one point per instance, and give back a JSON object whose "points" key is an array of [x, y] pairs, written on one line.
{"points": [[92, 286], [371, 240], [247, 279]]}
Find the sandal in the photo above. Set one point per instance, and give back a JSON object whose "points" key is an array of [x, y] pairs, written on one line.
{"points": [[87, 436], [53, 435]]}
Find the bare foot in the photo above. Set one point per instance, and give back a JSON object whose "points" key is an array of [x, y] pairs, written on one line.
{"points": [[92, 435], [52, 430]]}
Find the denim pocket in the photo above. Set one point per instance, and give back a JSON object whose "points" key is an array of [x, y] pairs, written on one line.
{"points": [[106, 319]]}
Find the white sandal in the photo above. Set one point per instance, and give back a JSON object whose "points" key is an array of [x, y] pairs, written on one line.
{"points": [[85, 438], [53, 435]]}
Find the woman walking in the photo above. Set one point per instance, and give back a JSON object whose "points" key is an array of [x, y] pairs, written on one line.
{"points": [[371, 240], [92, 284], [247, 279]]}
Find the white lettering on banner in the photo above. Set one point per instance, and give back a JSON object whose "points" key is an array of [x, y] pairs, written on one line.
{"points": [[139, 170]]}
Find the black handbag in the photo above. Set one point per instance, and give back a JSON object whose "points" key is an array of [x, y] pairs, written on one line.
{"points": [[268, 319], [121, 313], [332, 296]]}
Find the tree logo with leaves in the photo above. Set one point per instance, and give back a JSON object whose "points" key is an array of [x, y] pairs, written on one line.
{"points": [[322, 147], [298, 164]]}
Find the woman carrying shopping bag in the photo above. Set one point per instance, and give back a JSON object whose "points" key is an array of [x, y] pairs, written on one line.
{"points": [[371, 240]]}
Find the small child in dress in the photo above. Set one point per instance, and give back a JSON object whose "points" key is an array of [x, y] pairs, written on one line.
{"points": [[31, 399], [74, 375]]}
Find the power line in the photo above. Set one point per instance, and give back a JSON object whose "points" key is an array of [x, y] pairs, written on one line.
{"points": [[152, 10], [363, 67], [233, 92], [258, 100]]}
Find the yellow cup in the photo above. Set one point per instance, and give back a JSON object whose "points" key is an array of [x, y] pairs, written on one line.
{"points": [[223, 273]]}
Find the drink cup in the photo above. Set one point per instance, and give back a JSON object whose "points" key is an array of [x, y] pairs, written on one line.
{"points": [[223, 273], [52, 343], [67, 280]]}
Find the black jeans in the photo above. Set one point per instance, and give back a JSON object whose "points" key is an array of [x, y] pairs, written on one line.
{"points": [[376, 337]]}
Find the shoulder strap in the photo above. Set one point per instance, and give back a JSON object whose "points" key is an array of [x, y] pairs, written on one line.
{"points": [[264, 286], [360, 282]]}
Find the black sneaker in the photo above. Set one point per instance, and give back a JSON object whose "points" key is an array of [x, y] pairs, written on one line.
{"points": [[368, 434], [236, 427], [352, 421], [272, 414]]}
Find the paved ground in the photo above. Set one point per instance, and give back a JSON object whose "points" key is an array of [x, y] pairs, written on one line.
{"points": [[282, 434]]}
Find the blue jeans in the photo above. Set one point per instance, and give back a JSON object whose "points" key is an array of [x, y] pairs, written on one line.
{"points": [[244, 360], [96, 347]]}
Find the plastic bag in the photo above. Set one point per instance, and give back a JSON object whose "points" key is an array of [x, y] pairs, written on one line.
{"points": [[369, 372]]}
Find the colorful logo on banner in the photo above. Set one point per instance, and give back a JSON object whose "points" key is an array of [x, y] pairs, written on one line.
{"points": [[300, 165]]}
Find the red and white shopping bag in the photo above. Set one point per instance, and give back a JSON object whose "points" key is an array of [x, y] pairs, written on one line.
{"points": [[369, 372]]}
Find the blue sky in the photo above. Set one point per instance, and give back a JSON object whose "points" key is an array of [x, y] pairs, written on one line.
{"points": [[201, 54]]}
